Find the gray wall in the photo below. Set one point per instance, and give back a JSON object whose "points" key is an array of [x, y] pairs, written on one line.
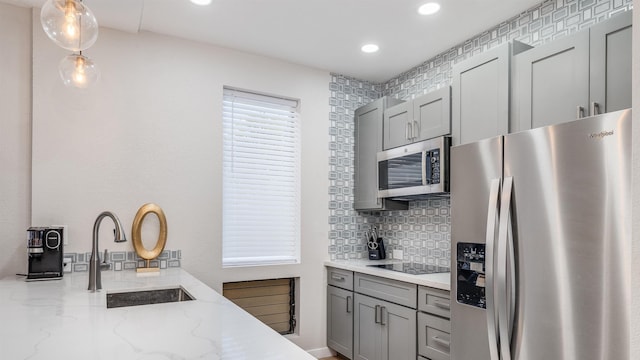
{"points": [[423, 230]]}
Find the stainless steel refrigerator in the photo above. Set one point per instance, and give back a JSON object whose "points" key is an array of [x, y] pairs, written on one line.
{"points": [[541, 237]]}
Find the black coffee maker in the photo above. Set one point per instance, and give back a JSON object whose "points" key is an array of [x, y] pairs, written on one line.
{"points": [[44, 248]]}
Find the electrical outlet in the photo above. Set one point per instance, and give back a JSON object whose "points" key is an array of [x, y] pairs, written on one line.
{"points": [[66, 264], [398, 254]]}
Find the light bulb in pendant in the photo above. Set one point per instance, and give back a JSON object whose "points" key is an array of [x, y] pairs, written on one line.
{"points": [[77, 70], [69, 23]]}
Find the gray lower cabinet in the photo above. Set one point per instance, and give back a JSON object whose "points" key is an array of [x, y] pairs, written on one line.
{"points": [[434, 325], [375, 318], [383, 330], [368, 126], [583, 74], [340, 311], [340, 320], [480, 94], [425, 117], [434, 337]]}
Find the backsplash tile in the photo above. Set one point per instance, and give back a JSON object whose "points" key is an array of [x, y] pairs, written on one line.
{"points": [[423, 231], [122, 260]]}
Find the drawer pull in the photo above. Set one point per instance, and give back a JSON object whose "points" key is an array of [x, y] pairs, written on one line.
{"points": [[442, 342], [337, 277], [382, 311], [442, 305]]}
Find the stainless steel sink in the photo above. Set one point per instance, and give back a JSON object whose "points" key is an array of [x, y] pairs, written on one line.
{"points": [[147, 297]]}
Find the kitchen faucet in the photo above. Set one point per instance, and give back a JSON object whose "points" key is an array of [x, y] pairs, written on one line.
{"points": [[95, 280]]}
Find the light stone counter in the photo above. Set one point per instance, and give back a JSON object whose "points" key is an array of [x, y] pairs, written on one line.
{"points": [[438, 281], [61, 320]]}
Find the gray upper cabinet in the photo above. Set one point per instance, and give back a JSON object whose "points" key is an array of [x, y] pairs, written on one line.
{"points": [[553, 82], [610, 48], [422, 118], [583, 74], [397, 120], [480, 96], [368, 142], [432, 115]]}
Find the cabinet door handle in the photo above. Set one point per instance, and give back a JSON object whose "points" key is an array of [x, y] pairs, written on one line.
{"points": [[595, 108], [382, 311], [349, 309], [377, 319], [407, 131], [416, 127], [579, 112], [442, 305], [337, 277], [442, 342]]}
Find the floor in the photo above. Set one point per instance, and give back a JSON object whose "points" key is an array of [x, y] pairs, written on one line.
{"points": [[338, 357]]}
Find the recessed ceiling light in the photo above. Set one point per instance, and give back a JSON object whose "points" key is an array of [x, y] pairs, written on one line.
{"points": [[369, 48], [201, 2], [429, 8]]}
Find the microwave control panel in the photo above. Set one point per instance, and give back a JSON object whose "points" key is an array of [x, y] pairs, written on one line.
{"points": [[471, 274], [432, 162]]}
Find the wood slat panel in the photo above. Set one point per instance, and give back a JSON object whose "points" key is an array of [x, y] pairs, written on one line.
{"points": [[267, 300], [280, 327], [274, 318], [254, 283], [268, 309], [264, 300], [256, 291]]}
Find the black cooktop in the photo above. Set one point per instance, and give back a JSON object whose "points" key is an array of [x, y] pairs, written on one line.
{"points": [[413, 268]]}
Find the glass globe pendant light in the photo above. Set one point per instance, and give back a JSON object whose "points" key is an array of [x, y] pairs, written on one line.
{"points": [[69, 23], [77, 70]]}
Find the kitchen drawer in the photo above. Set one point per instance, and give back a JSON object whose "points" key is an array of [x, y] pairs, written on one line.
{"points": [[434, 336], [434, 301], [398, 292], [340, 278]]}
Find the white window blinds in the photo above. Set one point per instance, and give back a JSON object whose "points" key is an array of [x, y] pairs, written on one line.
{"points": [[261, 179]]}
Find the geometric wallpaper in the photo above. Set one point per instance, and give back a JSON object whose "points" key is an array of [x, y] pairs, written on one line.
{"points": [[423, 231]]}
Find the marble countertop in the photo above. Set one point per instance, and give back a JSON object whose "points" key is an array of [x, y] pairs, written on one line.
{"points": [[438, 281], [62, 320]]}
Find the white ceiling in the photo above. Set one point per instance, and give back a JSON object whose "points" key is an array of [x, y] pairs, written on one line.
{"points": [[324, 34]]}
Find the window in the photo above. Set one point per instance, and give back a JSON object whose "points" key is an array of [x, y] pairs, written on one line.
{"points": [[261, 179]]}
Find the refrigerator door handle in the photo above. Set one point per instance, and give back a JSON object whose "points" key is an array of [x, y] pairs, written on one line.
{"points": [[505, 298], [492, 216]]}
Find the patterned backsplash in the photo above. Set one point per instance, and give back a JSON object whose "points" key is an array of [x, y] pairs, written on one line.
{"points": [[121, 260], [423, 231]]}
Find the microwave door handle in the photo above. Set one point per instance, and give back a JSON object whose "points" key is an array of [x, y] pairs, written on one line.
{"points": [[426, 167]]}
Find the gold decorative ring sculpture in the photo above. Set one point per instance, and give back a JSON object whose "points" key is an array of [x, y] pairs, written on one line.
{"points": [[136, 232]]}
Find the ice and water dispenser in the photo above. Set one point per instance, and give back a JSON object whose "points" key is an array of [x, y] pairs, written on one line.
{"points": [[471, 274]]}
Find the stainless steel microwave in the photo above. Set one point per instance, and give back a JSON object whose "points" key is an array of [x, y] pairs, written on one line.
{"points": [[415, 171]]}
